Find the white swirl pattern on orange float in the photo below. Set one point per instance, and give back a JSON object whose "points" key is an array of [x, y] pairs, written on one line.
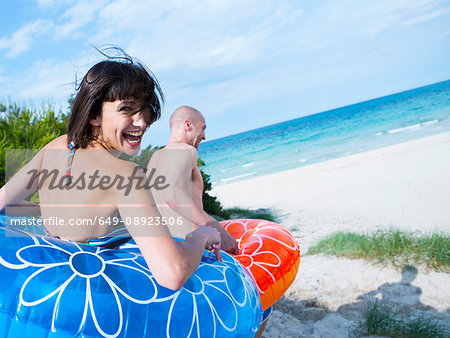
{"points": [[252, 254]]}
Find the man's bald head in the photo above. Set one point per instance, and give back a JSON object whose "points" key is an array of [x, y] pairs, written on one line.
{"points": [[183, 113], [187, 125]]}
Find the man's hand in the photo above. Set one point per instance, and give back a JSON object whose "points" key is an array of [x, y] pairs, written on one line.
{"points": [[228, 244]]}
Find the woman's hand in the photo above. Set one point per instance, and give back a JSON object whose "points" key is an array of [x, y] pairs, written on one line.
{"points": [[229, 243], [212, 239]]}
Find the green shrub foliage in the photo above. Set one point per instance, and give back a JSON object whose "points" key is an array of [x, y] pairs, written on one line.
{"points": [[25, 127]]}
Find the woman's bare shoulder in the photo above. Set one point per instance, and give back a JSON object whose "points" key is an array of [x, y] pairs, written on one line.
{"points": [[58, 143], [112, 165]]}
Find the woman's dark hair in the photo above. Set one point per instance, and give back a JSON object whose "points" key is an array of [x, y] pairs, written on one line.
{"points": [[116, 79]]}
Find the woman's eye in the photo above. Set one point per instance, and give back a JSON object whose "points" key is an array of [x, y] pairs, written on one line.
{"points": [[148, 117], [125, 109]]}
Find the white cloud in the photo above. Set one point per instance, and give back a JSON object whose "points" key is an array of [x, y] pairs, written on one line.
{"points": [[185, 34], [53, 3], [49, 80], [223, 55], [385, 15], [22, 40], [426, 17], [78, 16], [73, 19], [2, 77]]}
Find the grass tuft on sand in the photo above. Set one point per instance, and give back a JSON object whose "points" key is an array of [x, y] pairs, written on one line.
{"points": [[383, 319], [393, 246]]}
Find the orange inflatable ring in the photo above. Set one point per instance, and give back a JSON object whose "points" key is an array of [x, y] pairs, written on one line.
{"points": [[271, 254]]}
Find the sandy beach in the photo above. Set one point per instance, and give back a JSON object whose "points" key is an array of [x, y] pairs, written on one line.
{"points": [[405, 186]]}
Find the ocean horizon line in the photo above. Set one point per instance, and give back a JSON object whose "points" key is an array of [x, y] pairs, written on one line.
{"points": [[334, 133], [322, 112], [249, 176]]}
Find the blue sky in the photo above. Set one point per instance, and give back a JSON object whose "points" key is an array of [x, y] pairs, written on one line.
{"points": [[243, 63]]}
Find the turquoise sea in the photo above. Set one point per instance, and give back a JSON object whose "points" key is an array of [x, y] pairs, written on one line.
{"points": [[323, 136]]}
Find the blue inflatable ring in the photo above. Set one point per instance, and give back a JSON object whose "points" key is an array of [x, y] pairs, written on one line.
{"points": [[58, 288]]}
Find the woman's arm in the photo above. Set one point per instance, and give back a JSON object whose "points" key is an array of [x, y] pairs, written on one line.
{"points": [[20, 186], [171, 262], [25, 182]]}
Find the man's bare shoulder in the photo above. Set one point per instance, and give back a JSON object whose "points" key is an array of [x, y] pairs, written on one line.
{"points": [[174, 159], [175, 152], [180, 146]]}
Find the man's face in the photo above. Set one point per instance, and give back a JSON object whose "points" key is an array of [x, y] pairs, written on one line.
{"points": [[197, 133]]}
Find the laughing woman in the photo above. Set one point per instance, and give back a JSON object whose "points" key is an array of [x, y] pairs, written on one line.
{"points": [[84, 185]]}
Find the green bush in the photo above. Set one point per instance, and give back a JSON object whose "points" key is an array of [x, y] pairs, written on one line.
{"points": [[210, 203], [24, 127], [247, 213], [143, 157]]}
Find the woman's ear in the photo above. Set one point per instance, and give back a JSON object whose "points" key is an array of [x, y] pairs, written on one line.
{"points": [[97, 122]]}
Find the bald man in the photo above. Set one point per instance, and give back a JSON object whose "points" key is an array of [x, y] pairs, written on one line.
{"points": [[177, 162]]}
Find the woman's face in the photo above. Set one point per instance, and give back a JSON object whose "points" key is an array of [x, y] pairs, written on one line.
{"points": [[120, 130]]}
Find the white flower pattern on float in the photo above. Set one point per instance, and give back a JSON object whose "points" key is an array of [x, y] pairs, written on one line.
{"points": [[196, 290], [60, 269], [88, 270]]}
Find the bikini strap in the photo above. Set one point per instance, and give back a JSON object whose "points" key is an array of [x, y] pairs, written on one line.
{"points": [[72, 148]]}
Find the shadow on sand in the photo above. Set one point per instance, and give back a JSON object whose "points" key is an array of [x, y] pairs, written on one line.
{"points": [[313, 319]]}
